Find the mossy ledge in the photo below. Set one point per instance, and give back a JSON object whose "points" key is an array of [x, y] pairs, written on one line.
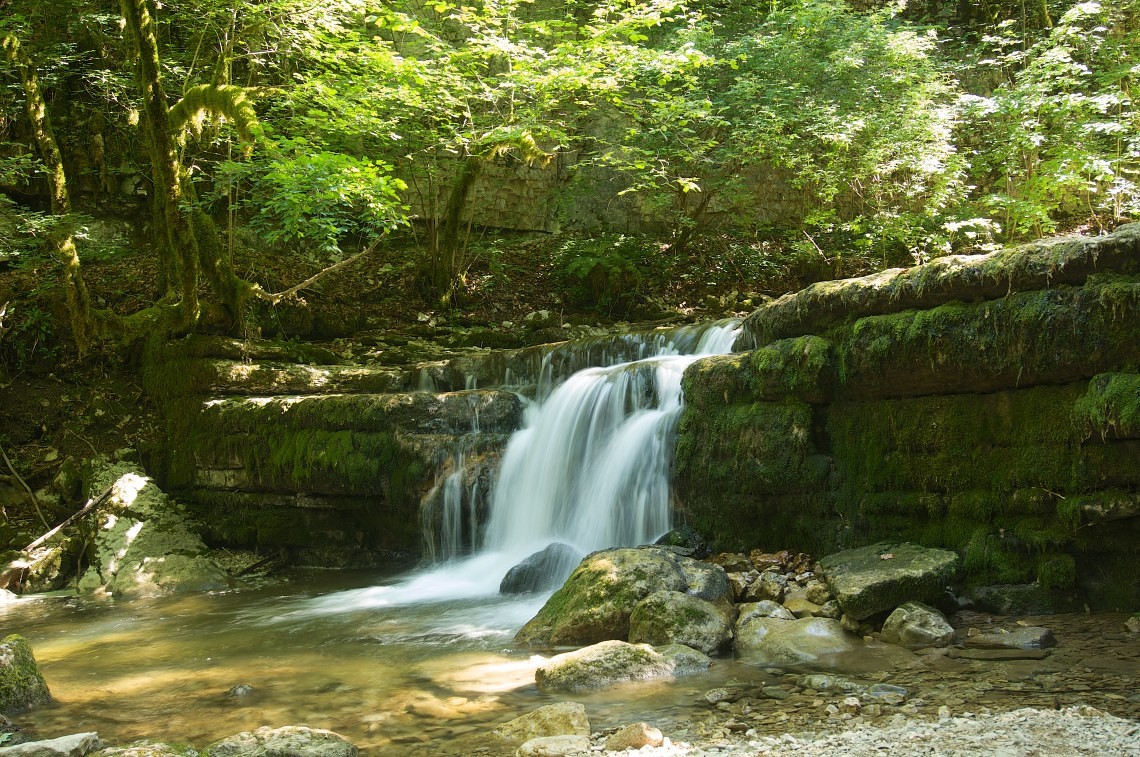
{"points": [[987, 405]]}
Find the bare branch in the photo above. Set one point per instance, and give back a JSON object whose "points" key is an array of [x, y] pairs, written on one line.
{"points": [[278, 297]]}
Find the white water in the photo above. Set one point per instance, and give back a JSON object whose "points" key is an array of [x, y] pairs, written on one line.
{"points": [[590, 468]]}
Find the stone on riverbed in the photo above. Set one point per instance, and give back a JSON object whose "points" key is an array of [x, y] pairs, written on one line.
{"points": [[21, 685], [560, 719], [914, 625], [144, 749], [1024, 637], [873, 579], [554, 746], [290, 741], [610, 662], [673, 617], [597, 600], [775, 641], [75, 745], [634, 736]]}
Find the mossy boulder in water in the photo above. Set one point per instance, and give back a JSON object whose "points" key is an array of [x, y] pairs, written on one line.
{"points": [[145, 545], [915, 625], [21, 685], [610, 662], [673, 617], [597, 600], [874, 579]]}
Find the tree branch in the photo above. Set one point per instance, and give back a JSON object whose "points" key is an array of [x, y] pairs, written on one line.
{"points": [[291, 292]]}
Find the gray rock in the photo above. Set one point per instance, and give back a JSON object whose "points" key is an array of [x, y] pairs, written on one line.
{"points": [[145, 749], [541, 571], [763, 609], [803, 640], [144, 544], [560, 719], [289, 741], [609, 662], [826, 682], [554, 746], [75, 745], [915, 625], [877, 578], [1019, 599], [597, 600], [771, 586], [1023, 637], [673, 617], [21, 685]]}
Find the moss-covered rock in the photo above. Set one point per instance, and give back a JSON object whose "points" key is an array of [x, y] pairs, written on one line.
{"points": [[915, 625], [293, 740], [597, 600], [673, 617], [795, 641], [880, 577], [21, 685], [1110, 408], [559, 719], [610, 662]]}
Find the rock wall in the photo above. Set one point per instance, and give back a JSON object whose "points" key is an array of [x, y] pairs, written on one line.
{"points": [[988, 404], [278, 448]]}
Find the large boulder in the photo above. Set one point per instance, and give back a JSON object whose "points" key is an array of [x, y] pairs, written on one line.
{"points": [[597, 600], [559, 719], [145, 544], [541, 571], [874, 579], [795, 641], [610, 662], [915, 625], [21, 685], [673, 617], [74, 745], [289, 741]]}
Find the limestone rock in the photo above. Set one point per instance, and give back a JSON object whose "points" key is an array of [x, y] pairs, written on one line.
{"points": [[75, 745], [289, 741], [145, 545], [802, 640], [143, 749], [597, 600], [915, 625], [763, 609], [873, 579], [609, 662], [554, 746], [634, 736], [673, 617], [1132, 625], [541, 571], [21, 685], [1023, 637], [771, 585], [560, 719]]}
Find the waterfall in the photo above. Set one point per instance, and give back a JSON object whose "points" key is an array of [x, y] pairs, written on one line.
{"points": [[589, 468]]}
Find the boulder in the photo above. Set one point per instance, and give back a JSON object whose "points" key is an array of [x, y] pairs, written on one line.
{"points": [[634, 736], [21, 685], [771, 585], [792, 641], [145, 544], [609, 662], [687, 541], [673, 617], [75, 745], [597, 600], [914, 625], [542, 571], [870, 580], [144, 749], [560, 719], [554, 746], [289, 741], [763, 609]]}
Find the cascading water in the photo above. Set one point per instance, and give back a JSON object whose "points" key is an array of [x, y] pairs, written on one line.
{"points": [[589, 468]]}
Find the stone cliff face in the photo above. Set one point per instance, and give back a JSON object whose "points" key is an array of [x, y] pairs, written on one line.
{"points": [[989, 404]]}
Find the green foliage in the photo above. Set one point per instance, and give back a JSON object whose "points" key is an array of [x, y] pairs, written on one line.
{"points": [[1062, 134], [603, 270]]}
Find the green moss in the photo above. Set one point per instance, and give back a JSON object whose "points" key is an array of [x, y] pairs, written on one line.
{"points": [[1110, 407], [21, 685], [1056, 571]]}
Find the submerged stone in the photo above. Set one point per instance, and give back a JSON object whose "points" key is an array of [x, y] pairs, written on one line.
{"points": [[610, 662], [560, 719], [795, 641], [914, 625]]}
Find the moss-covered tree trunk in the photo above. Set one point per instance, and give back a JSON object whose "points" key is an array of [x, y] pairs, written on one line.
{"points": [[447, 258]]}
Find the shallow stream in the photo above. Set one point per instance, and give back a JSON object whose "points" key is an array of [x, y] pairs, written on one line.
{"points": [[344, 651]]}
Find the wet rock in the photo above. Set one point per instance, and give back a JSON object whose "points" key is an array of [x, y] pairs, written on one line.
{"points": [[541, 571], [554, 746], [830, 609], [817, 592], [1024, 637], [999, 654], [144, 749], [597, 600], [560, 719], [877, 578], [1132, 625], [723, 694], [21, 685], [914, 625], [798, 604], [686, 539], [771, 585], [802, 640], [610, 662], [240, 690], [291, 741], [826, 682], [634, 736], [1017, 599], [775, 692], [763, 609], [672, 617], [75, 745], [144, 544], [741, 584]]}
